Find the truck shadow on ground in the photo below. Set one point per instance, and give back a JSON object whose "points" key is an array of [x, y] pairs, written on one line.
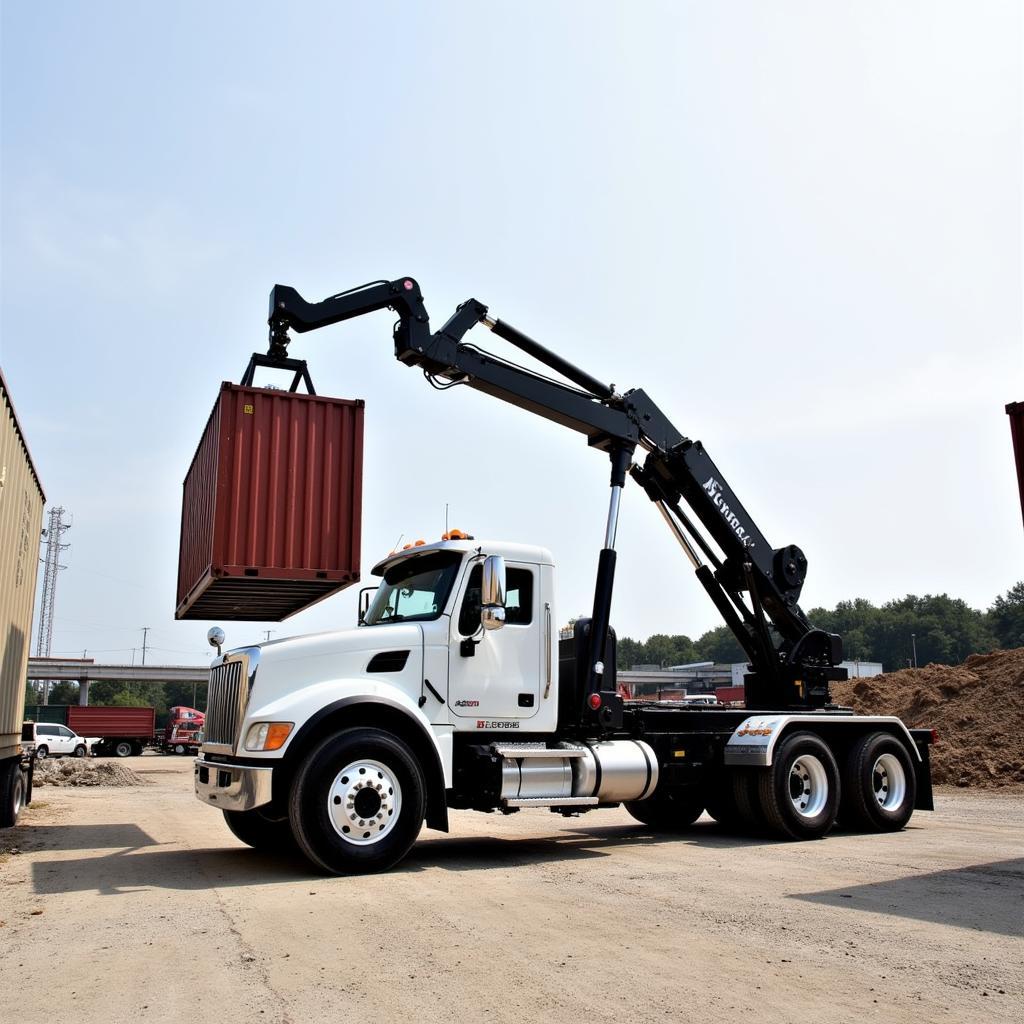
{"points": [[982, 897], [479, 853], [138, 861], [86, 837]]}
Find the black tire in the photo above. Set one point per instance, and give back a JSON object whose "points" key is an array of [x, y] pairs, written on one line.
{"points": [[799, 793], [180, 748], [123, 748], [721, 802], [879, 785], [42, 752], [746, 797], [668, 810], [80, 750], [12, 793], [326, 802], [261, 833]]}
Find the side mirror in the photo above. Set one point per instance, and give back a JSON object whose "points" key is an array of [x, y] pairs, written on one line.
{"points": [[215, 638], [365, 597], [492, 593]]}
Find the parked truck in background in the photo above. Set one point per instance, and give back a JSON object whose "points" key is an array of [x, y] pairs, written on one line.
{"points": [[115, 731], [455, 691], [21, 516], [183, 733]]}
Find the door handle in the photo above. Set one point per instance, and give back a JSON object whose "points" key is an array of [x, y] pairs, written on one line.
{"points": [[547, 648]]}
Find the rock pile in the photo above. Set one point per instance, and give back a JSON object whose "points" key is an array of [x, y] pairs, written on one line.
{"points": [[84, 771], [977, 708]]}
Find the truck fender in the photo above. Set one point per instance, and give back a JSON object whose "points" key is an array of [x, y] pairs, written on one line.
{"points": [[753, 742], [377, 708]]}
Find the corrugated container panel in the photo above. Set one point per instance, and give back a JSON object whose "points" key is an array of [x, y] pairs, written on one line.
{"points": [[272, 505], [95, 720], [21, 518], [1015, 411]]}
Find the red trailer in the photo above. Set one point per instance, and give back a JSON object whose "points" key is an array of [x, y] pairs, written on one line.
{"points": [[121, 731], [730, 694]]}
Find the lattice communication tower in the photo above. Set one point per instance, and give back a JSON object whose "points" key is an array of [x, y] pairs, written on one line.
{"points": [[51, 566]]}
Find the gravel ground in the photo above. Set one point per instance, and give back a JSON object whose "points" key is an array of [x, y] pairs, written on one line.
{"points": [[119, 903]]}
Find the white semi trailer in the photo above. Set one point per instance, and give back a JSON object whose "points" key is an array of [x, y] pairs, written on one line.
{"points": [[21, 514]]}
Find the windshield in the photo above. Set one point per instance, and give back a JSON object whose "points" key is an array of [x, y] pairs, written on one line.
{"points": [[414, 589]]}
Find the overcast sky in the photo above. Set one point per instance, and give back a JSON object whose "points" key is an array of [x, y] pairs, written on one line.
{"points": [[796, 225]]}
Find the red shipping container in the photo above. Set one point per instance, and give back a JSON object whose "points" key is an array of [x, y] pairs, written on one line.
{"points": [[1016, 414], [272, 503], [112, 722]]}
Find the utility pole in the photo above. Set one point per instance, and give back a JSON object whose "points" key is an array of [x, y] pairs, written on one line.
{"points": [[913, 647], [145, 630], [268, 632]]}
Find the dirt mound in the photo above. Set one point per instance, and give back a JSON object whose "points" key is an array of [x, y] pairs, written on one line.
{"points": [[977, 708], [81, 771]]}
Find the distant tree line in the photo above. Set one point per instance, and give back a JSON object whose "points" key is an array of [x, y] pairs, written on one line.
{"points": [[944, 629], [121, 694]]}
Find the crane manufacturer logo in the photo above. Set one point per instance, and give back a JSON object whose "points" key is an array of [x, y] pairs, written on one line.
{"points": [[714, 490]]}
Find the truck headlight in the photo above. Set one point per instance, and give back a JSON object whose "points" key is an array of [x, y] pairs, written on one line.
{"points": [[267, 735]]}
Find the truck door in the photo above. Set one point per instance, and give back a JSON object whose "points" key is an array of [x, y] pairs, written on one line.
{"points": [[501, 680]]}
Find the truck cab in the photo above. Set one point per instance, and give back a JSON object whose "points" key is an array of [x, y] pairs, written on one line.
{"points": [[420, 648]]}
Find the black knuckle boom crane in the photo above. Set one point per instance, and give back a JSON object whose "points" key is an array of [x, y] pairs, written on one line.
{"points": [[790, 670], [790, 761]]}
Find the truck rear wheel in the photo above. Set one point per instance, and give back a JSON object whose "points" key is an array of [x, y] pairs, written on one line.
{"points": [[122, 748], [264, 834], [800, 791], [721, 802], [358, 802], [746, 796], [12, 793], [879, 785], [668, 809]]}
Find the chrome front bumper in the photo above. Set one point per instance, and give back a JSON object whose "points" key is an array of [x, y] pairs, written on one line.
{"points": [[232, 787]]}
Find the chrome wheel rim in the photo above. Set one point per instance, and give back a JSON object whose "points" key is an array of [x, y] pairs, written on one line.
{"points": [[808, 786], [888, 782], [364, 801]]}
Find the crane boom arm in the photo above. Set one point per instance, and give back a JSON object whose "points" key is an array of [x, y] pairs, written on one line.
{"points": [[792, 662]]}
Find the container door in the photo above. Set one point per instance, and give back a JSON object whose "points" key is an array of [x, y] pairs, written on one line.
{"points": [[501, 681]]}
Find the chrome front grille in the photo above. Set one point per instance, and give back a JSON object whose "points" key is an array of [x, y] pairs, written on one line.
{"points": [[227, 697]]}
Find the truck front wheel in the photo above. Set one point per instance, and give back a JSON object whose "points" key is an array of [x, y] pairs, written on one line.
{"points": [[358, 802], [261, 833]]}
